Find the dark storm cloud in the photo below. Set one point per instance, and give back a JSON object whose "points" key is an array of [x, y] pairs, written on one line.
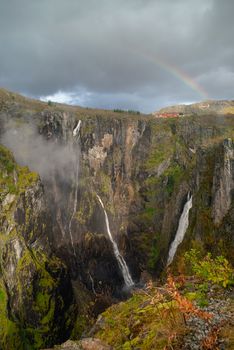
{"points": [[106, 53]]}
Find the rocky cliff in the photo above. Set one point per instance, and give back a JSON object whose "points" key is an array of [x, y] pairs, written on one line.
{"points": [[142, 168], [35, 289]]}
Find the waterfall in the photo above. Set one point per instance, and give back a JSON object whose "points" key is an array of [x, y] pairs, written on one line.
{"points": [[77, 128], [121, 262], [181, 230], [75, 133]]}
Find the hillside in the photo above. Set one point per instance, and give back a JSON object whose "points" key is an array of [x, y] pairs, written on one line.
{"points": [[202, 108], [100, 206]]}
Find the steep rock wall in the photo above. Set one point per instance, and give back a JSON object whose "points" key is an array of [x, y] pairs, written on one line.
{"points": [[141, 167], [35, 290]]}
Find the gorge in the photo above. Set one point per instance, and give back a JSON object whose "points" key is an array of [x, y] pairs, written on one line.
{"points": [[167, 185]]}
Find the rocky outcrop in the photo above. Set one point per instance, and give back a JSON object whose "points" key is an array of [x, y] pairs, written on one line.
{"points": [[35, 290], [223, 182]]}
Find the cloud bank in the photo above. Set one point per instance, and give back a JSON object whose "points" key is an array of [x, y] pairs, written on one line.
{"points": [[118, 53]]}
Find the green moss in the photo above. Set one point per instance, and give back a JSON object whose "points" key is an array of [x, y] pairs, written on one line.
{"points": [[138, 323], [86, 207], [152, 182], [9, 332], [154, 255], [88, 127], [162, 144], [82, 323], [14, 179], [147, 215], [157, 155], [7, 169], [104, 182], [2, 296], [174, 174], [42, 301], [26, 178], [6, 160], [40, 295], [49, 317]]}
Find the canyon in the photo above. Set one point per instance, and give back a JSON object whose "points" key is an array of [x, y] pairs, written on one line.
{"points": [[91, 200]]}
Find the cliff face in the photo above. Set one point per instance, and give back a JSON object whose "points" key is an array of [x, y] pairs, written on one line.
{"points": [[141, 167], [223, 184], [33, 283]]}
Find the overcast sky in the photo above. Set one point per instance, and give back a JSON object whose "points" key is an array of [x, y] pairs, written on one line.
{"points": [[131, 54]]}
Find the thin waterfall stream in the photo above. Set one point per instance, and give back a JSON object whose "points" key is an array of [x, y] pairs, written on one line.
{"points": [[181, 230], [121, 262], [75, 133]]}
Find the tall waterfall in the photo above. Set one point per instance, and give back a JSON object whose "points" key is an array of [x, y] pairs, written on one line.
{"points": [[122, 263], [75, 133], [181, 230], [77, 128]]}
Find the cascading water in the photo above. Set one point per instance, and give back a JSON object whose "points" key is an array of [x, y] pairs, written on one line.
{"points": [[75, 133], [77, 128], [182, 228], [122, 263]]}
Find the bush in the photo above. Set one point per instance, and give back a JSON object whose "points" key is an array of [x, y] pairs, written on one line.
{"points": [[216, 270], [129, 111]]}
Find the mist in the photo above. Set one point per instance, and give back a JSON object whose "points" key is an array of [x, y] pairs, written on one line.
{"points": [[46, 157]]}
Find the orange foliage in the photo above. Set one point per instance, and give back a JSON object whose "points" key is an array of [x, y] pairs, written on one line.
{"points": [[210, 342], [185, 305]]}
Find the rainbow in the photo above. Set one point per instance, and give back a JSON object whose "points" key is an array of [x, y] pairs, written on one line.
{"points": [[178, 73]]}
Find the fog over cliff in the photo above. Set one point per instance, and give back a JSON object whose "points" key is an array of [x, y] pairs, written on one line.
{"points": [[43, 156]]}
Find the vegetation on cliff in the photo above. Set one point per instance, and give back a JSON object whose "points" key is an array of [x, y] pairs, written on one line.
{"points": [[13, 178], [34, 301], [167, 316], [143, 169]]}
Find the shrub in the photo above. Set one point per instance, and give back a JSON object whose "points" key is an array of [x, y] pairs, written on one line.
{"points": [[129, 111], [216, 270]]}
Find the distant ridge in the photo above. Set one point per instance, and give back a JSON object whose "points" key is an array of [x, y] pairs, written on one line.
{"points": [[204, 107]]}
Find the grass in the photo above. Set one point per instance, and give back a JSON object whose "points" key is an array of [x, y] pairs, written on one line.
{"points": [[141, 324]]}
